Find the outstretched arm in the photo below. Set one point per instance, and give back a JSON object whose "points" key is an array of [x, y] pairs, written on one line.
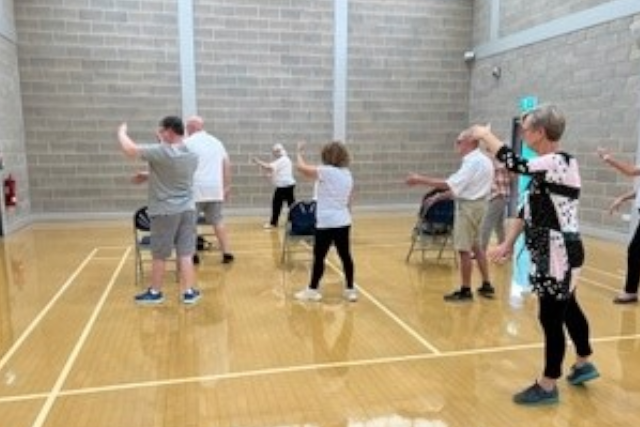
{"points": [[416, 179], [263, 165], [627, 169], [620, 200]]}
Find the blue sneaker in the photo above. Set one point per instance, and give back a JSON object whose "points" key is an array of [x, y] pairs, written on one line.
{"points": [[149, 297], [582, 374], [191, 296], [536, 395]]}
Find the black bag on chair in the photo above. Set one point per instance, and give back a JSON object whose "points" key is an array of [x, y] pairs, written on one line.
{"points": [[203, 244]]}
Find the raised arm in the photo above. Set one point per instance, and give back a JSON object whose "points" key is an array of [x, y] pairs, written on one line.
{"points": [[129, 148], [307, 170]]}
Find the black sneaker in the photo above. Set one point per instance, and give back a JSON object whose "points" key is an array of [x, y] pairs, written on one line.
{"points": [[196, 259], [227, 258], [486, 290], [463, 294]]}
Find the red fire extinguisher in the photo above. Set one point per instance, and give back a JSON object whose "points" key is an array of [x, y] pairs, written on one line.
{"points": [[10, 198]]}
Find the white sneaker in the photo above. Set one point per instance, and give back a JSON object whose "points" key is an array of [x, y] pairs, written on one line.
{"points": [[351, 295], [268, 226], [308, 294]]}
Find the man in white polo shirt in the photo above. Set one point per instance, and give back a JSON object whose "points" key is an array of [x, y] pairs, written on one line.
{"points": [[469, 186]]}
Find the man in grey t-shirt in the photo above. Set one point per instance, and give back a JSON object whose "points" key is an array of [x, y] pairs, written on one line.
{"points": [[171, 205]]}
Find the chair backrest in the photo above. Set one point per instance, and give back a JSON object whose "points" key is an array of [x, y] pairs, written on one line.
{"points": [[438, 217], [302, 218], [141, 220]]}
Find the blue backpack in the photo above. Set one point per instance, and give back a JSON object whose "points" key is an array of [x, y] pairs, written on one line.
{"points": [[302, 217]]}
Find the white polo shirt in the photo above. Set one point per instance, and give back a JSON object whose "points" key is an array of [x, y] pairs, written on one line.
{"points": [[474, 178]]}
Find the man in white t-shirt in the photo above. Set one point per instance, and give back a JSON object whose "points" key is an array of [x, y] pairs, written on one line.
{"points": [[212, 180], [469, 187], [281, 172]]}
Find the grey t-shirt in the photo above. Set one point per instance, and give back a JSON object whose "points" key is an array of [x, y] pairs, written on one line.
{"points": [[171, 169]]}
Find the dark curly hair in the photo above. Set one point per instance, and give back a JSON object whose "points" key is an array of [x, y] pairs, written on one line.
{"points": [[335, 153]]}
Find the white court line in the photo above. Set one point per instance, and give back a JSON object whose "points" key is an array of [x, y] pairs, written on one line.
{"points": [[391, 314], [305, 368], [34, 324], [597, 284], [55, 391], [606, 273]]}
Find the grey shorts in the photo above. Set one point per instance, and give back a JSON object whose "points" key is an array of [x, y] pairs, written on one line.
{"points": [[468, 220], [212, 211], [176, 231]]}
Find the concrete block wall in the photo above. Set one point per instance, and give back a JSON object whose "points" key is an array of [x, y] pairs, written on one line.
{"points": [[407, 93], [85, 66], [12, 147], [264, 74], [593, 75], [519, 15]]}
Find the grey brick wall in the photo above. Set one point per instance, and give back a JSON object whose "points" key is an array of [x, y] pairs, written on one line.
{"points": [[12, 147], [593, 76], [85, 66], [264, 74], [518, 15], [407, 92]]}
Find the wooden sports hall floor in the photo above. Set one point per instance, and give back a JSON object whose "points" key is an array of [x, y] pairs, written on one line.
{"points": [[76, 351]]}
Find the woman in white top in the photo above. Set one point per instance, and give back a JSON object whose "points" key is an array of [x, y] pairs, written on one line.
{"points": [[333, 216], [281, 172], [630, 293]]}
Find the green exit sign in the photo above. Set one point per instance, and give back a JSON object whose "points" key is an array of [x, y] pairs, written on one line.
{"points": [[528, 103]]}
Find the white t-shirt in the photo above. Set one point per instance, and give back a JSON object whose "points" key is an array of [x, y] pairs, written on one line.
{"points": [[333, 193], [474, 178], [208, 182], [282, 172]]}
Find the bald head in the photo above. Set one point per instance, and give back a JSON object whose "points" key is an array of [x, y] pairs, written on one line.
{"points": [[194, 124]]}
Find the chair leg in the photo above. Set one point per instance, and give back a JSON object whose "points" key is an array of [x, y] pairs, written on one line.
{"points": [[414, 237], [283, 256]]}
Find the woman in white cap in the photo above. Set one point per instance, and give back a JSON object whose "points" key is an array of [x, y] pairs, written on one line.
{"points": [[281, 172]]}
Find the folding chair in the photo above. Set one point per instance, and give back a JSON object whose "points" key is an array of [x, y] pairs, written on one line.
{"points": [[433, 230], [142, 239], [300, 227]]}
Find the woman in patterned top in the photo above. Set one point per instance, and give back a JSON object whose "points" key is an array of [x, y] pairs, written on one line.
{"points": [[549, 218]]}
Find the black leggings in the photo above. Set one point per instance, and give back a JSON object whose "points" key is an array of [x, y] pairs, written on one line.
{"points": [[323, 240], [281, 195], [554, 315], [633, 264]]}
